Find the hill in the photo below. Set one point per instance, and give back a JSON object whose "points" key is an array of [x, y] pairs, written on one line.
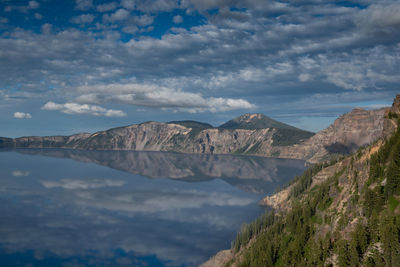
{"points": [[285, 134], [255, 121], [342, 213]]}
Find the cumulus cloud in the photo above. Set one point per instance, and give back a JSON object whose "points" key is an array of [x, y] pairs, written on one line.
{"points": [[378, 17], [120, 14], [38, 16], [128, 4], [156, 5], [152, 95], [177, 19], [107, 7], [22, 115], [25, 8], [82, 19], [304, 77], [47, 28], [19, 173], [83, 4], [85, 109], [130, 29], [33, 5]]}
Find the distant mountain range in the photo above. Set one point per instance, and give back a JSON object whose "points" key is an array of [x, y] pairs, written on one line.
{"points": [[250, 134]]}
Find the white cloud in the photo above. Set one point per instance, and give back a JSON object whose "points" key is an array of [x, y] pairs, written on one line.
{"points": [[130, 29], [128, 4], [38, 16], [19, 173], [33, 5], [152, 95], [120, 14], [3, 20], [78, 109], [82, 19], [22, 115], [378, 17], [47, 28], [30, 6], [177, 19], [83, 4], [149, 6], [304, 77], [143, 20], [107, 7]]}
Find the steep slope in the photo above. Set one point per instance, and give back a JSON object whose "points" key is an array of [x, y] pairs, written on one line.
{"points": [[349, 132], [342, 213], [255, 121]]}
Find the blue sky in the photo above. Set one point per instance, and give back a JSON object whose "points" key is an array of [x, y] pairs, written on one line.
{"points": [[87, 65]]}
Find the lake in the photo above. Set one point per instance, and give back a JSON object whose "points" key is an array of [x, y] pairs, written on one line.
{"points": [[120, 208]]}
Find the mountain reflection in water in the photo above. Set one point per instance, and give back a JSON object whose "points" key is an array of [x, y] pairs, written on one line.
{"points": [[59, 212], [249, 173]]}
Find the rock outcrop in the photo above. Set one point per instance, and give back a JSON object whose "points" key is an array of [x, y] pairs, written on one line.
{"points": [[349, 132]]}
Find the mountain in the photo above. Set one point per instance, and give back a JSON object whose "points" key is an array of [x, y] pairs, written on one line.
{"points": [[274, 139], [255, 121], [285, 134], [339, 213], [349, 132]]}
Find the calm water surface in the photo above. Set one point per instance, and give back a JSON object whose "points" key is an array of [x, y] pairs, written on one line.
{"points": [[110, 208]]}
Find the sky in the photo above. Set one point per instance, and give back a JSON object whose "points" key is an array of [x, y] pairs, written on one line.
{"points": [[87, 65]]}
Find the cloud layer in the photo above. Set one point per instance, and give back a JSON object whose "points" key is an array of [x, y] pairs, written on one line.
{"points": [[200, 56], [152, 95]]}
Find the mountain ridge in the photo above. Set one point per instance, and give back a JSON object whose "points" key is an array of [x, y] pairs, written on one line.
{"points": [[285, 142], [254, 121]]}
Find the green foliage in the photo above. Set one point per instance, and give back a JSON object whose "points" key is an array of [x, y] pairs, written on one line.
{"points": [[288, 137], [393, 203], [292, 238], [304, 181], [393, 115]]}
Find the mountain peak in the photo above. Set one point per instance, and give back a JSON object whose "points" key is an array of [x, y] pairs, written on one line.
{"points": [[254, 121], [248, 117]]}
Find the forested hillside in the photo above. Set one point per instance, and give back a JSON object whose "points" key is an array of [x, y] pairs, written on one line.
{"points": [[343, 213]]}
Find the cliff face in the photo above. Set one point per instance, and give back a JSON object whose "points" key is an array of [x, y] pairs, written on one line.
{"points": [[349, 132]]}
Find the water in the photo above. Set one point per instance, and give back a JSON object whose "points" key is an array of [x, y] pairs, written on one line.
{"points": [[110, 208]]}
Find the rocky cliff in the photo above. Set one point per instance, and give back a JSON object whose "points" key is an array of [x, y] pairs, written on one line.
{"points": [[349, 132], [342, 213], [255, 134]]}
